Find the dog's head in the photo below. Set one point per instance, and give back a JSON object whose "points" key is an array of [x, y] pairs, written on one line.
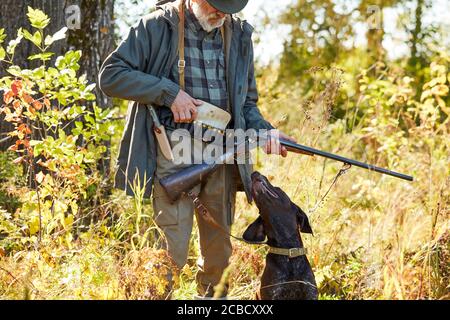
{"points": [[279, 216]]}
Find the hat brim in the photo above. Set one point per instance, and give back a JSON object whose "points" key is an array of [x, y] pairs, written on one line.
{"points": [[228, 6]]}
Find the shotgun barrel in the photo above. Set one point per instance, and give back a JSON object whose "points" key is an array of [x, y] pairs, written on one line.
{"points": [[311, 151]]}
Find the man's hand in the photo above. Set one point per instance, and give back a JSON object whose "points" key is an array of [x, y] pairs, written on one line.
{"points": [[273, 145], [184, 108]]}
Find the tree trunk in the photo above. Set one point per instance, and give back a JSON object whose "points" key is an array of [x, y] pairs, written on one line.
{"points": [[416, 34], [95, 37]]}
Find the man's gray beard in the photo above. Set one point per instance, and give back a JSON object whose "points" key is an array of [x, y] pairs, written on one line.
{"points": [[203, 20]]}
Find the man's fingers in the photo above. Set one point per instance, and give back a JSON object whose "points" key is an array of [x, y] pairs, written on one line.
{"points": [[176, 117], [273, 146], [268, 145], [182, 116], [194, 113], [288, 138], [292, 139], [197, 102], [189, 117], [186, 114], [276, 146]]}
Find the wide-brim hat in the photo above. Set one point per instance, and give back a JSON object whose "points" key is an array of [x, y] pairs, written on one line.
{"points": [[228, 6]]}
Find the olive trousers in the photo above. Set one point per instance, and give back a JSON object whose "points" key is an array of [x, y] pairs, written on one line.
{"points": [[218, 195]]}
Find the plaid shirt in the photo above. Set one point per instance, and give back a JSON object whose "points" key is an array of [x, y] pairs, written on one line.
{"points": [[205, 73]]}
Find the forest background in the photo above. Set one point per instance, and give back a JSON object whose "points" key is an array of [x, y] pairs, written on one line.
{"points": [[367, 79]]}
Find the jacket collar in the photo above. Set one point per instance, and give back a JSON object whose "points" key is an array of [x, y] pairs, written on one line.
{"points": [[192, 21]]}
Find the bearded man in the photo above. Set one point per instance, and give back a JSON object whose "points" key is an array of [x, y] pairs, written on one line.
{"points": [[184, 53]]}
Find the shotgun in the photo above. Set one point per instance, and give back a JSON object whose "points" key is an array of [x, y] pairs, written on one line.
{"points": [[181, 182]]}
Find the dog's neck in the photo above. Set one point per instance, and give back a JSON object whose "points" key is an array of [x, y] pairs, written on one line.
{"points": [[283, 239]]}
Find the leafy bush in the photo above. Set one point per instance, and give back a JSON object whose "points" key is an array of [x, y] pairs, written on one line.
{"points": [[58, 132]]}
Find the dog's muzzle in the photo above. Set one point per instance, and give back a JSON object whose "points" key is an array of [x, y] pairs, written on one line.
{"points": [[260, 187]]}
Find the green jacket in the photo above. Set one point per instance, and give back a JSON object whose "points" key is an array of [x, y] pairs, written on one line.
{"points": [[138, 71]]}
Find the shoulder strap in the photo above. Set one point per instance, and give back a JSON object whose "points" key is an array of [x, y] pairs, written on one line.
{"points": [[181, 61], [203, 212]]}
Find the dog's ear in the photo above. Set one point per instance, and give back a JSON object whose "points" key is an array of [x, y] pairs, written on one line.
{"points": [[303, 220], [255, 232]]}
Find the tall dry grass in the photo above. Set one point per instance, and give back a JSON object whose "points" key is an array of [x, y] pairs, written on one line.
{"points": [[375, 237]]}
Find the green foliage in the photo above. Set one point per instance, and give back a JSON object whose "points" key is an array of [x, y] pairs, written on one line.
{"points": [[58, 135], [2, 50], [318, 37], [325, 33], [390, 114], [38, 19], [11, 181]]}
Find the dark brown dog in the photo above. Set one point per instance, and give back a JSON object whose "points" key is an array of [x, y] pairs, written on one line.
{"points": [[281, 220]]}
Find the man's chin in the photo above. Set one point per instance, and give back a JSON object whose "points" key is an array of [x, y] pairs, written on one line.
{"points": [[216, 24], [210, 27]]}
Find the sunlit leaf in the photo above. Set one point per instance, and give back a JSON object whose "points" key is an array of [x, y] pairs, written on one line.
{"points": [[440, 90], [15, 71], [425, 95], [40, 177], [42, 56], [34, 225], [441, 103], [2, 35], [2, 54], [38, 18]]}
